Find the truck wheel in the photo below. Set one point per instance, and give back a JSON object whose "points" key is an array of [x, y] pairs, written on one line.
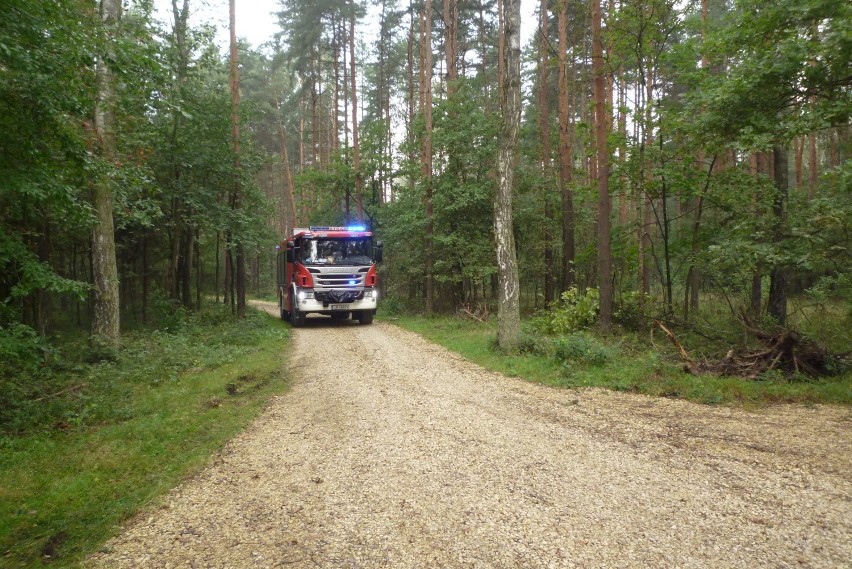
{"points": [[366, 316], [297, 317]]}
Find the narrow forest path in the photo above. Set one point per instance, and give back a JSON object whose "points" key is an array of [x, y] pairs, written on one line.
{"points": [[389, 451]]}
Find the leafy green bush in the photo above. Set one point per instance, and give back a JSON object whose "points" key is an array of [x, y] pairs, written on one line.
{"points": [[21, 349], [630, 312], [582, 348], [575, 311], [80, 390]]}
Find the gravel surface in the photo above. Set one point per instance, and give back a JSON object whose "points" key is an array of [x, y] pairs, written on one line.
{"points": [[389, 451]]}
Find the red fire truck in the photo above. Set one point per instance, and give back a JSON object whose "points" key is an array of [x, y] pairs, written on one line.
{"points": [[328, 270]]}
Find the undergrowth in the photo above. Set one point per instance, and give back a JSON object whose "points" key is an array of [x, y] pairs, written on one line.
{"points": [[630, 362], [85, 442]]}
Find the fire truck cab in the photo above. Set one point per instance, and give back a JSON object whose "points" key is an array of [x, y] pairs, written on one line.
{"points": [[328, 270]]}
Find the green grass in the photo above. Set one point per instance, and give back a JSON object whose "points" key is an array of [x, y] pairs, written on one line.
{"points": [[621, 364], [145, 421]]}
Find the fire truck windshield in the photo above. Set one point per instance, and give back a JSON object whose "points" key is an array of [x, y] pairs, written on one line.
{"points": [[356, 251]]}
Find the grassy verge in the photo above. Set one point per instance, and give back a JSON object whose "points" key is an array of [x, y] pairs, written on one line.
{"points": [[129, 430], [620, 364]]}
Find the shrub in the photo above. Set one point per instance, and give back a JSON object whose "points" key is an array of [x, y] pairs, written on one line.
{"points": [[574, 311], [21, 349], [629, 312], [581, 348]]}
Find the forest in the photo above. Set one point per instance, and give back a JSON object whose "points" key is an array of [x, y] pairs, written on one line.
{"points": [[674, 164]]}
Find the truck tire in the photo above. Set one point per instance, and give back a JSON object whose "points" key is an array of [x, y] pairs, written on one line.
{"points": [[366, 316], [297, 317], [284, 314]]}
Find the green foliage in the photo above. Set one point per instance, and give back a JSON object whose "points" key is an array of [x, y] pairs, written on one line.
{"points": [[106, 440], [73, 387], [630, 366], [581, 348], [575, 311], [22, 351], [630, 311]]}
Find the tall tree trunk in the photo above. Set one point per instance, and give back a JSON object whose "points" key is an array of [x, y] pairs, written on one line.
{"points": [[356, 158], [409, 125], [426, 168], [451, 15], [757, 167], [799, 151], [508, 299], [813, 167], [544, 147], [240, 269], [604, 204], [285, 159], [501, 48], [566, 160], [106, 303], [778, 277], [188, 242], [335, 118], [622, 149], [483, 59]]}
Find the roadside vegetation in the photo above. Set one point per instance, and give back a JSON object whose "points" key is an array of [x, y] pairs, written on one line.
{"points": [[562, 347], [88, 439]]}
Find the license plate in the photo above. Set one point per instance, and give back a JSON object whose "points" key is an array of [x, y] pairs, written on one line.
{"points": [[338, 307]]}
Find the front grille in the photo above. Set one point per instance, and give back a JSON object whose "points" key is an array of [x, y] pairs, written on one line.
{"points": [[339, 296], [338, 284]]}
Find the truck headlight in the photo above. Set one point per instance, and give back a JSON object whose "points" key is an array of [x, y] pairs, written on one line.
{"points": [[373, 293], [303, 294]]}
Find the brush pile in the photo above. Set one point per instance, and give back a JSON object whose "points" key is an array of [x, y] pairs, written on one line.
{"points": [[786, 351]]}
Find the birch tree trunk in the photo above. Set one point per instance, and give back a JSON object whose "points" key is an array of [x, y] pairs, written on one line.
{"points": [[508, 297], [105, 299]]}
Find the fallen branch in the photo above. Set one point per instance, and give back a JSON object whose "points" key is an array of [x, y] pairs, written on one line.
{"points": [[683, 353], [61, 392]]}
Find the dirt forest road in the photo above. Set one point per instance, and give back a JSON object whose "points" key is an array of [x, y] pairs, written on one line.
{"points": [[389, 451]]}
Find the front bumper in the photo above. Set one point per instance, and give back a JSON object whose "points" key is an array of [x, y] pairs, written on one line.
{"points": [[312, 305]]}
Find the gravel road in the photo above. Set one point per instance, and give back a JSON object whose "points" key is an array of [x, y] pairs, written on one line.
{"points": [[389, 451]]}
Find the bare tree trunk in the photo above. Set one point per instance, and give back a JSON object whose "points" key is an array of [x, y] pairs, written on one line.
{"points": [[451, 15], [356, 163], [285, 158], [566, 160], [426, 167], [409, 126], [799, 151], [336, 41], [813, 168], [501, 49], [106, 304], [622, 150], [544, 135], [778, 276], [235, 136], [508, 299], [604, 204]]}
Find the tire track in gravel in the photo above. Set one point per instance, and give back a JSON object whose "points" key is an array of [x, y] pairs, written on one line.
{"points": [[389, 451]]}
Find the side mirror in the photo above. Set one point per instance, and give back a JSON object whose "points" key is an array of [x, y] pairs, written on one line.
{"points": [[291, 252], [378, 252]]}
